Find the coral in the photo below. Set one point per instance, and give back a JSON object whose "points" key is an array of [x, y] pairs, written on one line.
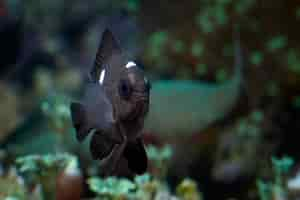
{"points": [[159, 159], [111, 188], [144, 187], [12, 186], [69, 184], [187, 190], [42, 82], [239, 147], [9, 115], [44, 169], [56, 110], [276, 189]]}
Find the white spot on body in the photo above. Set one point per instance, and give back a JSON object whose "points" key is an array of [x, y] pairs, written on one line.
{"points": [[130, 64], [101, 78]]}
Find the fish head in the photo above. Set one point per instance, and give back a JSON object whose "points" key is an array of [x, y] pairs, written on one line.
{"points": [[123, 80], [133, 93]]}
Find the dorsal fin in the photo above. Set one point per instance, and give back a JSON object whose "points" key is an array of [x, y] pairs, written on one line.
{"points": [[108, 47]]}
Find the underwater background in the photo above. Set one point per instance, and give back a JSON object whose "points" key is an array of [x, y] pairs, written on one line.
{"points": [[216, 128]]}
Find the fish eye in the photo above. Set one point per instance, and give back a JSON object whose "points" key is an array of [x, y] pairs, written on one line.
{"points": [[125, 89]]}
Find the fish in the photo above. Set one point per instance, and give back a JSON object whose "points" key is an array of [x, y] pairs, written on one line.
{"points": [[183, 110], [113, 108], [184, 107]]}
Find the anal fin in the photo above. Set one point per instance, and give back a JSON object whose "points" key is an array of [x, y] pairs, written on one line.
{"points": [[136, 156]]}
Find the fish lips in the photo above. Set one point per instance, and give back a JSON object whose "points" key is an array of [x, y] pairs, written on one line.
{"points": [[141, 107]]}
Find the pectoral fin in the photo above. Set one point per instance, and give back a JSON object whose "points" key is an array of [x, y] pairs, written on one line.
{"points": [[78, 116], [136, 156], [98, 108], [100, 146]]}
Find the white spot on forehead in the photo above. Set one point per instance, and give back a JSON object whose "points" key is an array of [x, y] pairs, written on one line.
{"points": [[101, 78], [130, 64]]}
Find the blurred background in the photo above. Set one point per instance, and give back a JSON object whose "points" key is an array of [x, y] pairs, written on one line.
{"points": [[221, 125]]}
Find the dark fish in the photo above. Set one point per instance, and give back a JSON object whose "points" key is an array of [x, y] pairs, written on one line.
{"points": [[115, 104]]}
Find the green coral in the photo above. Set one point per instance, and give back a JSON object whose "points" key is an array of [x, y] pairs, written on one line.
{"points": [[250, 127], [12, 198], [204, 22], [157, 42], [112, 187], [201, 69], [119, 188], [40, 164], [281, 167], [43, 170], [197, 48], [159, 154], [56, 108], [296, 102], [216, 13], [159, 158], [256, 58], [257, 116], [143, 187], [133, 5], [276, 43], [293, 61], [264, 190], [221, 14], [221, 75], [178, 46], [276, 188], [242, 6]]}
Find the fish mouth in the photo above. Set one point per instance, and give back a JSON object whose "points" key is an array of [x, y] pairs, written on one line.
{"points": [[140, 97]]}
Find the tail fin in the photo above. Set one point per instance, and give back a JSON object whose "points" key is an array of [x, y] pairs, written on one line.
{"points": [[79, 121]]}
